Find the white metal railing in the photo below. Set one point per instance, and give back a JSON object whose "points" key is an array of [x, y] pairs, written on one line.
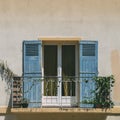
{"points": [[53, 91]]}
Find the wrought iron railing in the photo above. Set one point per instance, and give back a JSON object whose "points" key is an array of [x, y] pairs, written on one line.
{"points": [[52, 91]]}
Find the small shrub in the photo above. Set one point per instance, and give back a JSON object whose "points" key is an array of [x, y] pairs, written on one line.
{"points": [[103, 91]]}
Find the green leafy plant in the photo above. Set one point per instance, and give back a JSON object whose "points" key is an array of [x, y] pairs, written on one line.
{"points": [[24, 102], [6, 73], [102, 92]]}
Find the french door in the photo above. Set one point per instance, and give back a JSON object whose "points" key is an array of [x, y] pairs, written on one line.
{"points": [[59, 86], [59, 62]]}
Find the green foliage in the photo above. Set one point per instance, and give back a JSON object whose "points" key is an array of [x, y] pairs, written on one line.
{"points": [[5, 72], [24, 102], [102, 92]]}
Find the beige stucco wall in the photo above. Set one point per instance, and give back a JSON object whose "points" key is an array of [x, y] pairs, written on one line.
{"points": [[5, 93], [89, 19]]}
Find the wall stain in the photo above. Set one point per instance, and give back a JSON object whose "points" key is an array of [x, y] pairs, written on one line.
{"points": [[115, 66]]}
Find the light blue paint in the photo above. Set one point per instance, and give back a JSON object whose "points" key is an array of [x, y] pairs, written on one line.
{"points": [[88, 69], [32, 72]]}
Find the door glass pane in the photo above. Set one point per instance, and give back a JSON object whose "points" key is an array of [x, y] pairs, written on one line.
{"points": [[68, 70], [50, 70]]}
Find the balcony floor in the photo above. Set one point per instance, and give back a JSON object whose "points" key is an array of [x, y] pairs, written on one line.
{"points": [[115, 110]]}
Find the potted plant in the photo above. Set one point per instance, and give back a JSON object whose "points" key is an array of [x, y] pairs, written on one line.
{"points": [[102, 92], [24, 102]]}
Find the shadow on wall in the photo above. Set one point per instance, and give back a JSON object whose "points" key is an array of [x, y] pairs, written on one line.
{"points": [[7, 117], [115, 65], [5, 92], [5, 97], [56, 116]]}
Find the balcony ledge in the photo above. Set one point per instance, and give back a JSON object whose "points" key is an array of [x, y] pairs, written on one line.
{"points": [[115, 110]]}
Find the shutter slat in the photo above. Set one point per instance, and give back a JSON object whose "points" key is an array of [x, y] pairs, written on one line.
{"points": [[32, 49], [88, 50]]}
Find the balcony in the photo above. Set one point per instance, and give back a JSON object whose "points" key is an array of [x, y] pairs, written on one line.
{"points": [[54, 92], [60, 97]]}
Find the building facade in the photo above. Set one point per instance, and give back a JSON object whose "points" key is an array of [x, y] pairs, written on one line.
{"points": [[62, 26]]}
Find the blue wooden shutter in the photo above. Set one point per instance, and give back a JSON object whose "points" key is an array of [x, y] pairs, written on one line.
{"points": [[32, 72], [88, 69]]}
